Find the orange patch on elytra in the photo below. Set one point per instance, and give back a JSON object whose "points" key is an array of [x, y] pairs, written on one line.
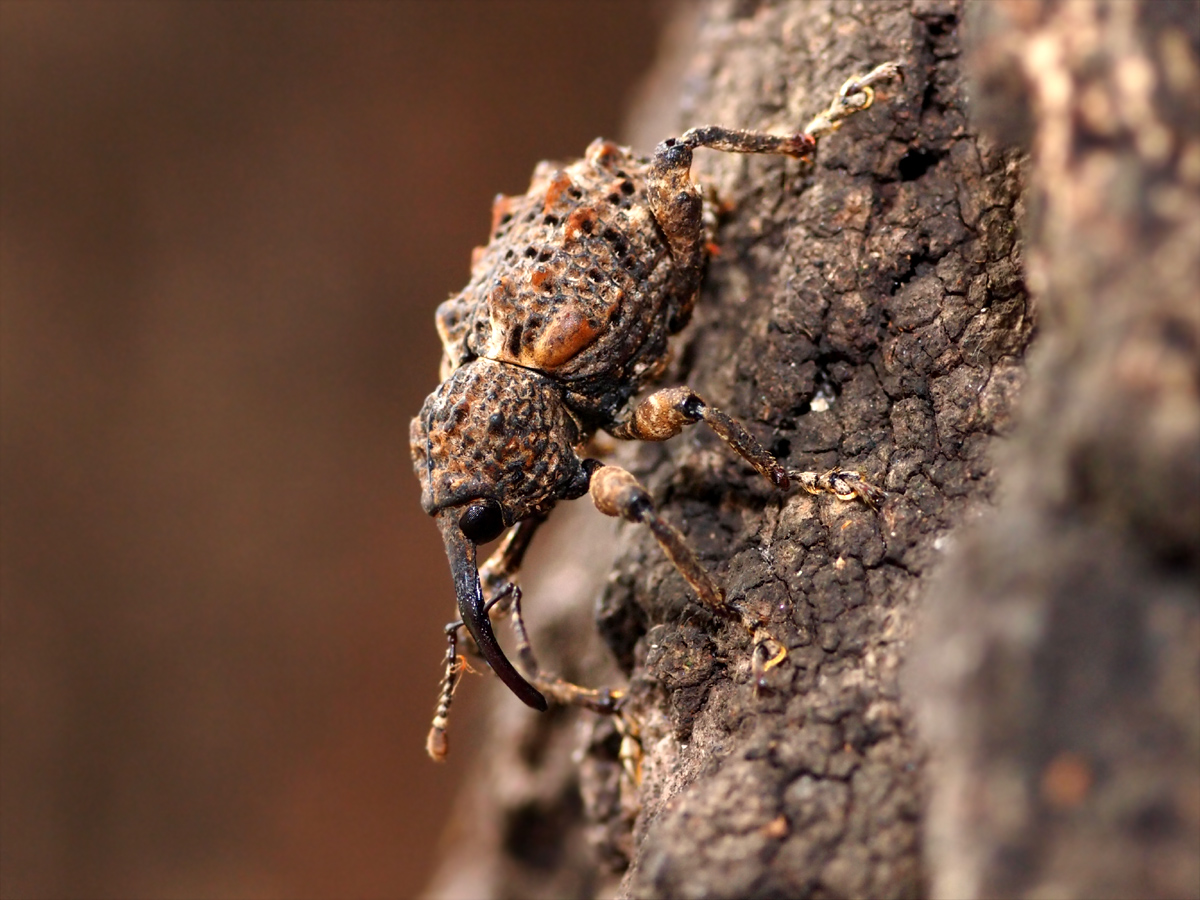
{"points": [[602, 153], [539, 276], [565, 337], [558, 185], [501, 207], [577, 220]]}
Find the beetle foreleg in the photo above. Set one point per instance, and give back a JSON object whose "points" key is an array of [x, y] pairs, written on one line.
{"points": [[505, 561], [617, 493], [601, 700]]}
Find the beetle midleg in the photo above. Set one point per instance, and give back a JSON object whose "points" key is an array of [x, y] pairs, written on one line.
{"points": [[845, 484], [664, 414]]}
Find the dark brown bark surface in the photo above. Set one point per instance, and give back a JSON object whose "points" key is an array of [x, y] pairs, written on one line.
{"points": [[867, 312], [993, 684], [1058, 669]]}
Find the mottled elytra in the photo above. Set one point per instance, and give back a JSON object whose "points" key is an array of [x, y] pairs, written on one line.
{"points": [[564, 321]]}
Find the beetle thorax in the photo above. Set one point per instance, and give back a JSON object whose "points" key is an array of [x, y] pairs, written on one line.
{"points": [[500, 432]]}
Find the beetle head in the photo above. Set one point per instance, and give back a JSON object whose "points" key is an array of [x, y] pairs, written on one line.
{"points": [[492, 446]]}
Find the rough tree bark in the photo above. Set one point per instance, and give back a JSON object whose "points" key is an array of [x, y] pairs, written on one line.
{"points": [[872, 312], [1058, 669]]}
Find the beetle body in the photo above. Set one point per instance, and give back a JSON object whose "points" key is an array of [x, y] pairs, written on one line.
{"points": [[565, 320], [578, 283]]}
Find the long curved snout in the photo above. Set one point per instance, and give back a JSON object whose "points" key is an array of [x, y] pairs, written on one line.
{"points": [[461, 553]]}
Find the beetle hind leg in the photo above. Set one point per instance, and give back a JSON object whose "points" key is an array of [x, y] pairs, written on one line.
{"points": [[854, 96]]}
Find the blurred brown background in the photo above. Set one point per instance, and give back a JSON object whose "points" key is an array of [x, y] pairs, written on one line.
{"points": [[224, 229]]}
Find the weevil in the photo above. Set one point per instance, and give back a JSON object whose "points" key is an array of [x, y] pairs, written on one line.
{"points": [[565, 320]]}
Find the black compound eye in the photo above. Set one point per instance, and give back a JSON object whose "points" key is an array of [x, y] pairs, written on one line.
{"points": [[482, 521]]}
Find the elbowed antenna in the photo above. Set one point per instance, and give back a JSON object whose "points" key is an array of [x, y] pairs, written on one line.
{"points": [[461, 553]]}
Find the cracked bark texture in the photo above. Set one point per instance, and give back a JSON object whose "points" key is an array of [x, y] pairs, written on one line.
{"points": [[868, 311], [1058, 669]]}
